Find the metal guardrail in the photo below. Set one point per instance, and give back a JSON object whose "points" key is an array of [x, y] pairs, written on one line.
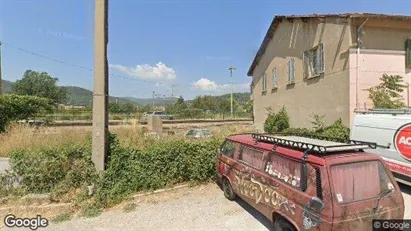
{"points": [[121, 122], [385, 111]]}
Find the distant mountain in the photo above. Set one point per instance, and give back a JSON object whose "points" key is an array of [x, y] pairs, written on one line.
{"points": [[6, 86], [81, 96]]}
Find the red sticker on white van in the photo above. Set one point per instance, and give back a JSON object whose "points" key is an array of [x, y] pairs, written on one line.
{"points": [[402, 141]]}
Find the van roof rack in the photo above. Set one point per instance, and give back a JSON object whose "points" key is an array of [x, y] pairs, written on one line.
{"points": [[313, 145], [384, 111]]}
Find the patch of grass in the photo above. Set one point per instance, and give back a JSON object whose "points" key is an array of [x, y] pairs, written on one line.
{"points": [[62, 217], [91, 210], [129, 207]]}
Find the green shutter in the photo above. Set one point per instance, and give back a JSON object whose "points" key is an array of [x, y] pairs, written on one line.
{"points": [[408, 53]]}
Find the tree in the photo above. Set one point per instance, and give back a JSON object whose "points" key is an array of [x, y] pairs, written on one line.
{"points": [[18, 107], [40, 84], [206, 102], [249, 106], [122, 107], [388, 93]]}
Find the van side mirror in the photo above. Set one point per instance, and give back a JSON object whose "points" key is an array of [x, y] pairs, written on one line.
{"points": [[304, 176]]}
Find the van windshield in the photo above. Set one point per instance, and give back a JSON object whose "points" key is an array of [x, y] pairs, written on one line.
{"points": [[351, 181]]}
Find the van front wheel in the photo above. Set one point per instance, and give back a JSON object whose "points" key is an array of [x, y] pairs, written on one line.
{"points": [[281, 224], [228, 190]]}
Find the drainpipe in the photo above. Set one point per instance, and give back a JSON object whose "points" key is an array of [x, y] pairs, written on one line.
{"points": [[358, 63]]}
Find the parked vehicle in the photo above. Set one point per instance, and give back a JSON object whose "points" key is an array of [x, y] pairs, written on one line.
{"points": [[300, 183], [199, 133], [163, 116], [391, 130]]}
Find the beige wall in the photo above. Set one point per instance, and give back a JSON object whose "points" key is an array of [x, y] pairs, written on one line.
{"points": [[325, 95], [384, 34]]}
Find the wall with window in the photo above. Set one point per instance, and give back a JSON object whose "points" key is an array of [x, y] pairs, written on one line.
{"points": [[306, 69]]}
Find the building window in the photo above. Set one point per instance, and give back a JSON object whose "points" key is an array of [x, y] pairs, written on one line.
{"points": [[291, 71], [314, 61], [275, 78], [264, 82]]}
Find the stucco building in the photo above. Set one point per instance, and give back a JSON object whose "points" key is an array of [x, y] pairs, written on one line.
{"points": [[308, 63]]}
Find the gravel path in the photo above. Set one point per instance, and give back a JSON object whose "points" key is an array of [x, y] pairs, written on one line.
{"points": [[199, 208], [192, 209]]}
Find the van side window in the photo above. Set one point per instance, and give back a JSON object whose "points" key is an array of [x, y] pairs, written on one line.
{"points": [[228, 148], [284, 169], [252, 157]]}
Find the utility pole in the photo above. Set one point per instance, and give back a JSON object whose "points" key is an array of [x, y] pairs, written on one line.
{"points": [[172, 91], [154, 93], [1, 79], [100, 93], [231, 76]]}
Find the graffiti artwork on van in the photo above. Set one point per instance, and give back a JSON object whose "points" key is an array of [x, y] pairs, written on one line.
{"points": [[258, 190], [290, 179]]}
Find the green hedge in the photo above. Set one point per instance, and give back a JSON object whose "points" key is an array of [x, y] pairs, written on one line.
{"points": [[337, 132], [61, 170]]}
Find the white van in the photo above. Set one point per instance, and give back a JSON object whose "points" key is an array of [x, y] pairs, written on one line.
{"points": [[391, 130]]}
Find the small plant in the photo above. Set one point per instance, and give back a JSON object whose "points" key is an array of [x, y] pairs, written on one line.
{"points": [[318, 123], [129, 207], [91, 210], [276, 122], [388, 94], [62, 217]]}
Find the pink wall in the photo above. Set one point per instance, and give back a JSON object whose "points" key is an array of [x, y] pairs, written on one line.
{"points": [[372, 65]]}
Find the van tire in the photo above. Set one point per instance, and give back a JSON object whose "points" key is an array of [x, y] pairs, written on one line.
{"points": [[228, 190], [280, 224]]}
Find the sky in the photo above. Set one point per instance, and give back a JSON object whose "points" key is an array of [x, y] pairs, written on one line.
{"points": [[153, 45]]}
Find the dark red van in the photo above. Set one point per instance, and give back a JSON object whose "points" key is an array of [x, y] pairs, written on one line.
{"points": [[301, 183]]}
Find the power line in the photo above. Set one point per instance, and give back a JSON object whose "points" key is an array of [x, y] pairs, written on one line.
{"points": [[91, 69]]}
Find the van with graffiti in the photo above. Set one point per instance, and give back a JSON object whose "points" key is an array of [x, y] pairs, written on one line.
{"points": [[390, 129], [301, 183]]}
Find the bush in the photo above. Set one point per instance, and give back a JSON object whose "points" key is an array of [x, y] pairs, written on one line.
{"points": [[191, 113], [337, 131], [55, 170], [19, 107], [276, 122], [161, 165], [65, 169]]}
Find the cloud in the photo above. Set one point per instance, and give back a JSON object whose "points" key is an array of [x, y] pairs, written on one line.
{"points": [[205, 84], [147, 72]]}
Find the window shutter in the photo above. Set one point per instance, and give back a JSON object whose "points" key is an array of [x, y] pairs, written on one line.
{"points": [[289, 70], [305, 64], [408, 53], [321, 57], [274, 77], [293, 68]]}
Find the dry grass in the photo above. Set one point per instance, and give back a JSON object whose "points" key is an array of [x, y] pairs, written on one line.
{"points": [[24, 137]]}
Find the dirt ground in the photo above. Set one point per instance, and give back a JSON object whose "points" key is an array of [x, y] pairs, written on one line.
{"points": [[199, 208]]}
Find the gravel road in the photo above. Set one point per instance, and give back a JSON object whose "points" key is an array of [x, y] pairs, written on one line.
{"points": [[199, 208]]}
